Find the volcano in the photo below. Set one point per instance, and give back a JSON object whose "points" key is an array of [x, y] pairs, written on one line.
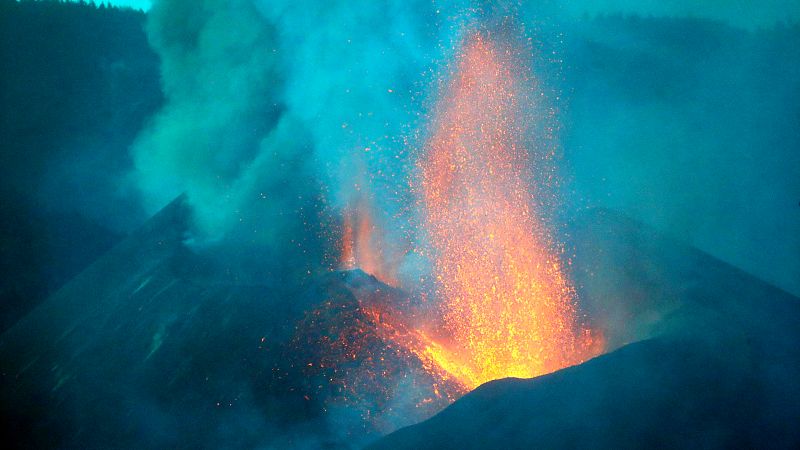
{"points": [[146, 349]]}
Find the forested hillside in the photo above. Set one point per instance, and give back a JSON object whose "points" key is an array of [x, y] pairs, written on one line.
{"points": [[77, 81]]}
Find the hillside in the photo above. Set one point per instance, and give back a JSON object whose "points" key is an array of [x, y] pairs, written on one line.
{"points": [[76, 84]]}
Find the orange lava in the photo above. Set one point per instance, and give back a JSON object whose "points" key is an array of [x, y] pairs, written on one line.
{"points": [[363, 244], [508, 307]]}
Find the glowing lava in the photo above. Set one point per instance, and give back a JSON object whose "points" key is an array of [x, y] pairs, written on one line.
{"points": [[363, 245], [508, 307]]}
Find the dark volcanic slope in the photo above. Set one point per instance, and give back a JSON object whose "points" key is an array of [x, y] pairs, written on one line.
{"points": [[718, 369], [156, 346], [77, 83], [151, 347], [146, 348]]}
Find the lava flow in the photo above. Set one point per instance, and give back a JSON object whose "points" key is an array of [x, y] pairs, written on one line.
{"points": [[507, 304]]}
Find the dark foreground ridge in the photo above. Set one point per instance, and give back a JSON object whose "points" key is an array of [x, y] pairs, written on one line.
{"points": [[712, 363]]}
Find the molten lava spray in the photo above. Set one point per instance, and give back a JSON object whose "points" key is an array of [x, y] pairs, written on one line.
{"points": [[508, 307], [364, 244], [361, 245]]}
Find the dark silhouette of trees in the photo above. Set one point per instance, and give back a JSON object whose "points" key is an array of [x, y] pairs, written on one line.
{"points": [[77, 81]]}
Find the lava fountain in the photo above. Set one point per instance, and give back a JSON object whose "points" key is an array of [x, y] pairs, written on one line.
{"points": [[364, 244], [507, 305]]}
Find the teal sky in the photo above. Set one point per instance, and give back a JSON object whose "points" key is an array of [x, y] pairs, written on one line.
{"points": [[137, 4], [743, 13], [749, 14]]}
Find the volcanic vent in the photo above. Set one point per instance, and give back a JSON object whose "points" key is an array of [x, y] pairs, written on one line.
{"points": [[500, 304]]}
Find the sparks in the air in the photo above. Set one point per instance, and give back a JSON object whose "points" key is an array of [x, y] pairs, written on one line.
{"points": [[507, 304]]}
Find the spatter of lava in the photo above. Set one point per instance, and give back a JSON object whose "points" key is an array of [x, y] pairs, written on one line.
{"points": [[355, 351], [504, 305], [508, 307]]}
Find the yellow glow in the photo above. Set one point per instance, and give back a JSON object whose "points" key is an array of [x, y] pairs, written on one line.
{"points": [[508, 308]]}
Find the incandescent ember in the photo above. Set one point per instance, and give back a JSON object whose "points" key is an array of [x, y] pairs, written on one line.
{"points": [[349, 352]]}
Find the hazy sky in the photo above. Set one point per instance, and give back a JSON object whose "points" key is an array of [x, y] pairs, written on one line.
{"points": [[744, 13], [138, 4]]}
